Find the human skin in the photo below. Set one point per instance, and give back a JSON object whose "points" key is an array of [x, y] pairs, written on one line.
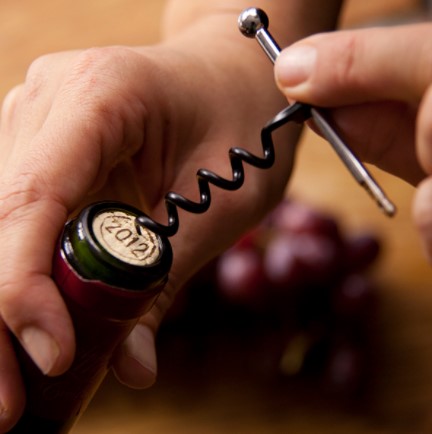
{"points": [[131, 123], [376, 80]]}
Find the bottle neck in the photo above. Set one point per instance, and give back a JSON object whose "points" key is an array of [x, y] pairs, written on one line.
{"points": [[103, 244]]}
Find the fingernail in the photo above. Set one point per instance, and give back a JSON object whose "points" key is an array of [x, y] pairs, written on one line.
{"points": [[294, 65], [41, 347], [141, 347]]}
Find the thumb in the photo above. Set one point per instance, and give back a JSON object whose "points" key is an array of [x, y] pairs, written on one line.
{"points": [[350, 67], [135, 362]]}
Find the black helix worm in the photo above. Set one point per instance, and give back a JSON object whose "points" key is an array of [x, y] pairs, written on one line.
{"points": [[237, 156]]}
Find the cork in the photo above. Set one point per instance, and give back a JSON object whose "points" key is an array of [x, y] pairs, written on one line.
{"points": [[116, 232]]}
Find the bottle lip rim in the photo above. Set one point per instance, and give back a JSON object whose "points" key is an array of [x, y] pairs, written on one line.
{"points": [[158, 268]]}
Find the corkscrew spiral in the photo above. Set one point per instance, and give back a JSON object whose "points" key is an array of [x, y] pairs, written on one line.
{"points": [[237, 156]]}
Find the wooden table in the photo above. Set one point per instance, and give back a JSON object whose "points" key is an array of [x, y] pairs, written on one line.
{"points": [[401, 397]]}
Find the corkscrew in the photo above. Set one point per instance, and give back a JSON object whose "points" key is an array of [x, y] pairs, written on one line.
{"points": [[253, 23]]}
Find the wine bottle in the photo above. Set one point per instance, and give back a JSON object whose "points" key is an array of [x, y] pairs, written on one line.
{"points": [[109, 274]]}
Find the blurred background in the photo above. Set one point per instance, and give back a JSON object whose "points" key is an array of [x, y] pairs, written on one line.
{"points": [[223, 382]]}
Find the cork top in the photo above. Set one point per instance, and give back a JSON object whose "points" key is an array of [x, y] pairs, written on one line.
{"points": [[116, 232]]}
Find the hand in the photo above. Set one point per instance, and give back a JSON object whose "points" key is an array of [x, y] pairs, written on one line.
{"points": [[377, 84], [126, 124]]}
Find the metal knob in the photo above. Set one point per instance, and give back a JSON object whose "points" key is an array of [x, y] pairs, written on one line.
{"points": [[251, 20]]}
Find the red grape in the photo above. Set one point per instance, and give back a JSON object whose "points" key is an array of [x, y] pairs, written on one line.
{"points": [[301, 259], [240, 276], [297, 217], [319, 254], [282, 266], [361, 251], [344, 370], [353, 297]]}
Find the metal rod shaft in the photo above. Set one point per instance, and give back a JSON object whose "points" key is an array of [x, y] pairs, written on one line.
{"points": [[254, 23]]}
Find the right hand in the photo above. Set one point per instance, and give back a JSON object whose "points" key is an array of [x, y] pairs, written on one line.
{"points": [[377, 84]]}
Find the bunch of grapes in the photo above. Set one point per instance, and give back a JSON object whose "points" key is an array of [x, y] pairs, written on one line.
{"points": [[296, 293]]}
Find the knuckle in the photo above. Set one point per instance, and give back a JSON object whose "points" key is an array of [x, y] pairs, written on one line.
{"points": [[39, 65], [345, 67], [18, 194], [11, 294], [94, 67], [23, 195], [95, 79], [10, 106], [10, 298], [36, 77]]}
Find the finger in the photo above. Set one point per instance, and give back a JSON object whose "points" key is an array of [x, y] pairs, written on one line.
{"points": [[11, 389], [135, 362], [9, 117], [43, 79], [424, 132], [30, 303], [422, 208], [358, 66], [26, 106], [390, 140], [422, 215], [9, 123]]}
